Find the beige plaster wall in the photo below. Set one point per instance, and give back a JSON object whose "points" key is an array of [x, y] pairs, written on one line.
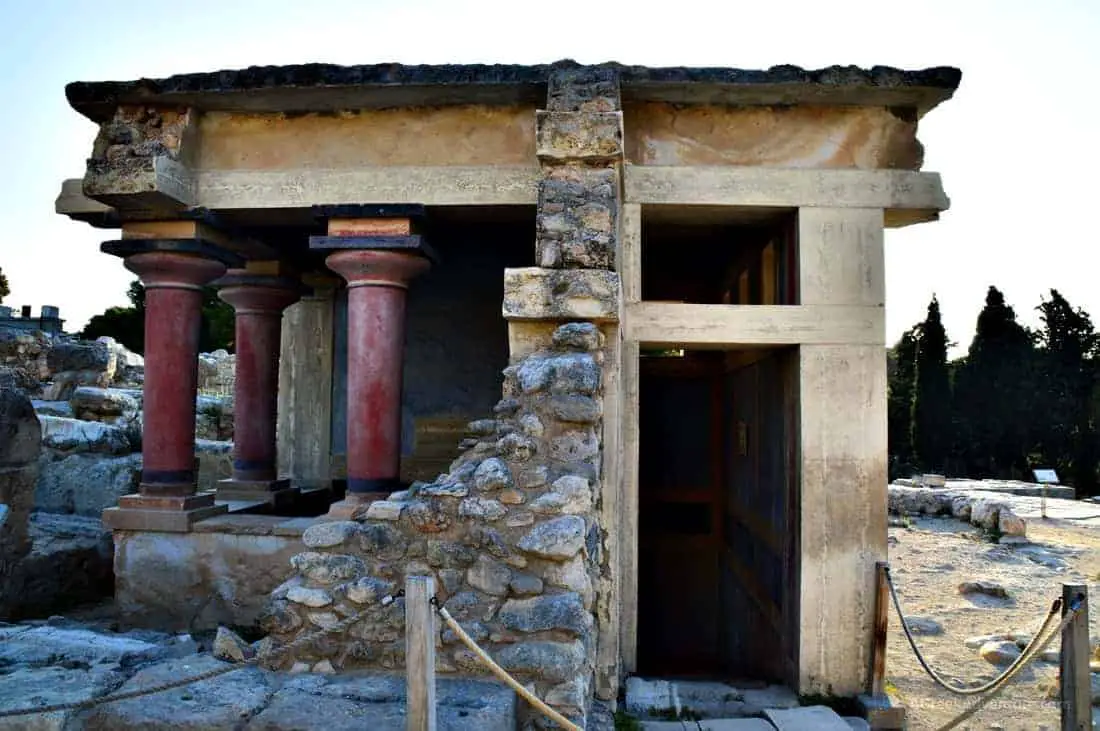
{"points": [[798, 137], [462, 135]]}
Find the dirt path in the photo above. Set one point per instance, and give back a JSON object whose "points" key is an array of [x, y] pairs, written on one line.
{"points": [[929, 560]]}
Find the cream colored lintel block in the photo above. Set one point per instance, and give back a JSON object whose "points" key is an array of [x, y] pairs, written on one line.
{"points": [[658, 323], [783, 188], [429, 185]]}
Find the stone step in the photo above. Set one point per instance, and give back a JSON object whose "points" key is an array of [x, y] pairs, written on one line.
{"points": [[657, 699]]}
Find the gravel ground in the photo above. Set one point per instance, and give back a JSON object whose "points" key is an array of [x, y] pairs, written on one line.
{"points": [[929, 560]]}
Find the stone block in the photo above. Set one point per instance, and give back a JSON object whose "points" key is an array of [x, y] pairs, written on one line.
{"points": [[561, 294], [809, 718], [587, 136], [75, 436], [576, 226], [882, 712]]}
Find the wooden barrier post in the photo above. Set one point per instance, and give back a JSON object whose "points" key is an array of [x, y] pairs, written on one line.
{"points": [[1075, 682], [420, 637], [882, 619]]}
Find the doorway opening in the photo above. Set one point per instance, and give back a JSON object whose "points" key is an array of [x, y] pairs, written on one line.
{"points": [[718, 515]]}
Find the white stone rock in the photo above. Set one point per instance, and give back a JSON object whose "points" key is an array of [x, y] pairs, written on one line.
{"points": [[74, 435], [999, 653], [228, 646], [309, 597], [924, 626], [482, 509], [571, 575], [976, 642], [385, 510], [570, 495]]}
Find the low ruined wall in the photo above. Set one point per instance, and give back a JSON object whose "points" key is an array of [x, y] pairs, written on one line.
{"points": [[220, 574], [510, 535]]}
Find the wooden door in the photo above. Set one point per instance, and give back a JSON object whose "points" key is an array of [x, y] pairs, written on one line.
{"points": [[680, 474]]}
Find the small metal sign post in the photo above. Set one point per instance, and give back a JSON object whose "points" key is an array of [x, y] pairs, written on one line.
{"points": [[1045, 477]]}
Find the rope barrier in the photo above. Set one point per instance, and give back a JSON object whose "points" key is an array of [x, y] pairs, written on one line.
{"points": [[1070, 616], [209, 674], [500, 672], [1009, 672], [993, 688]]}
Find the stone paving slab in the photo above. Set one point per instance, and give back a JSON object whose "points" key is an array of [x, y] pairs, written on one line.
{"points": [[809, 718], [29, 687], [45, 645]]}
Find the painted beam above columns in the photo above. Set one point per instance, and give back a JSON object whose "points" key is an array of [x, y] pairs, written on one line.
{"points": [[719, 326], [905, 191]]}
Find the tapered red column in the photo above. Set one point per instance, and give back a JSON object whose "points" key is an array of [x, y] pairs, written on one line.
{"points": [[377, 282], [258, 302], [173, 296]]}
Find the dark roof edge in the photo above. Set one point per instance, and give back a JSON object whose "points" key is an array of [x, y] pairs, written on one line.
{"points": [[389, 84]]}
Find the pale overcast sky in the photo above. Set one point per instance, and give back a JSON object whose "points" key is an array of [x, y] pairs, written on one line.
{"points": [[1017, 146]]}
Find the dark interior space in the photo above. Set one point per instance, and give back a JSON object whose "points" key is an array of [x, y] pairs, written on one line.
{"points": [[718, 523], [703, 255]]}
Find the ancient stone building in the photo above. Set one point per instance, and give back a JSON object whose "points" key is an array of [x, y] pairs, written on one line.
{"points": [[601, 348]]}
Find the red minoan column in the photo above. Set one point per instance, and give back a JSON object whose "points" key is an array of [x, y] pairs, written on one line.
{"points": [[259, 301], [173, 296], [377, 282]]}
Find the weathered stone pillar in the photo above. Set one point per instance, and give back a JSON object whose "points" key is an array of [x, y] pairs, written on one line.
{"points": [[259, 301], [305, 386], [842, 424], [173, 272], [377, 256]]}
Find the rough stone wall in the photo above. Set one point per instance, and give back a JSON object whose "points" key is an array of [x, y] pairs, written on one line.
{"points": [[512, 532], [509, 534]]}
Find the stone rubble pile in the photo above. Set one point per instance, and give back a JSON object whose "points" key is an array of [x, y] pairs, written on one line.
{"points": [[509, 534], [86, 402]]}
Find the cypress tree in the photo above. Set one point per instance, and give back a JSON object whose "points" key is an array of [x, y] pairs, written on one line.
{"points": [[1068, 434], [932, 394], [994, 394], [902, 362]]}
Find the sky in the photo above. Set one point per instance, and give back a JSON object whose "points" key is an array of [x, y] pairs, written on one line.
{"points": [[1016, 146]]}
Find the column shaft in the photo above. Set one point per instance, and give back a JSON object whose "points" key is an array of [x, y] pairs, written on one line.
{"points": [[377, 281], [259, 301], [376, 339], [172, 323], [255, 395]]}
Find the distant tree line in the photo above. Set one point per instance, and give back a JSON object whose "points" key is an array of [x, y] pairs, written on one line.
{"points": [[127, 324], [1018, 400]]}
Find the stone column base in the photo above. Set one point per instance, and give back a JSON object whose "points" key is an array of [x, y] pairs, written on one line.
{"points": [[165, 514], [278, 493]]}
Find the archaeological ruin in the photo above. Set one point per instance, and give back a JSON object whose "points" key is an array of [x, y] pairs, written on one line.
{"points": [[599, 348]]}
